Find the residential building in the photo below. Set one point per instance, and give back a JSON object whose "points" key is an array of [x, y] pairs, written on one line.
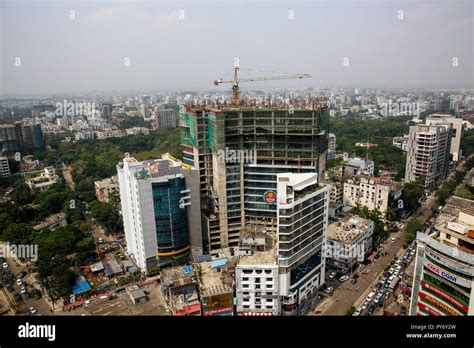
{"points": [[167, 118], [348, 242], [216, 278], [159, 231], [180, 289], [401, 142], [373, 193], [104, 188], [109, 133], [428, 153], [137, 130], [44, 181], [443, 282], [457, 127], [26, 136], [331, 154], [357, 166], [4, 166], [336, 199]]}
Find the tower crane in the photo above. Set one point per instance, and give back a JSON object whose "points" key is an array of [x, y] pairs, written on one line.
{"points": [[235, 83]]}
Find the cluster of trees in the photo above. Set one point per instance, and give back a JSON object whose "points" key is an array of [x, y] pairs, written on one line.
{"points": [[134, 121], [412, 194], [377, 131], [448, 186], [467, 144], [413, 225]]}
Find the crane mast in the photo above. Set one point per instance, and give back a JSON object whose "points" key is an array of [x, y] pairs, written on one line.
{"points": [[235, 83]]}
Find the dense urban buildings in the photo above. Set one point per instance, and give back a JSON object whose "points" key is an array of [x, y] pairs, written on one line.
{"points": [[4, 166], [444, 269]]}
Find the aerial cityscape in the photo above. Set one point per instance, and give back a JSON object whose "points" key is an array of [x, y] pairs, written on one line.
{"points": [[155, 162]]}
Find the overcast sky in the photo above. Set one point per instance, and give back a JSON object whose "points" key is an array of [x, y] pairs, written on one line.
{"points": [[400, 44]]}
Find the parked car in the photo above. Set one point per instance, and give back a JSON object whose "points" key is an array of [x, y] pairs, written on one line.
{"points": [[357, 312], [332, 275], [5, 265], [329, 290], [21, 275], [17, 297], [36, 294], [22, 289], [19, 282], [32, 310], [343, 278]]}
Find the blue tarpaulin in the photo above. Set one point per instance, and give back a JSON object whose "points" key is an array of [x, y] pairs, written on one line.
{"points": [[218, 263], [81, 286]]}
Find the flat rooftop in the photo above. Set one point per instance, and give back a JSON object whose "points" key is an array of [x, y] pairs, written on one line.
{"points": [[217, 276], [348, 230], [259, 243]]}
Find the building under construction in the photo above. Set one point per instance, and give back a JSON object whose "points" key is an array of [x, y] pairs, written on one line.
{"points": [[239, 151]]}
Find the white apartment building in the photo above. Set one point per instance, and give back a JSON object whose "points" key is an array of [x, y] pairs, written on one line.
{"points": [[331, 154], [109, 133], [358, 166], [428, 153], [348, 242], [443, 282], [373, 193], [401, 142], [4, 167], [457, 127]]}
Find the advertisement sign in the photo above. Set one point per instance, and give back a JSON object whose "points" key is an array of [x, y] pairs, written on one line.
{"points": [[429, 310], [439, 304], [444, 295], [218, 304], [450, 264], [447, 275], [270, 197]]}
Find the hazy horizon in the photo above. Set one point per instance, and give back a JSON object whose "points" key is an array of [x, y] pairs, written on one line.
{"points": [[79, 52]]}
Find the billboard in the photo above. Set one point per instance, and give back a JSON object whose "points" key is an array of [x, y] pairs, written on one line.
{"points": [[219, 304], [444, 295]]}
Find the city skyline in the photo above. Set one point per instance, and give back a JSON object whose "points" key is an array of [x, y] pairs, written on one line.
{"points": [[185, 46]]}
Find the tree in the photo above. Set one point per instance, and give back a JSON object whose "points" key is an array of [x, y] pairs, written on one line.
{"points": [[413, 226], [412, 194], [18, 234], [390, 214]]}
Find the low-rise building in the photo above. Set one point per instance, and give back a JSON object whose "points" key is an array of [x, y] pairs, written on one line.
{"points": [[373, 193], [401, 142], [358, 166], [181, 290], [336, 199], [216, 276], [348, 242], [109, 133], [44, 181], [51, 222], [137, 130], [104, 188]]}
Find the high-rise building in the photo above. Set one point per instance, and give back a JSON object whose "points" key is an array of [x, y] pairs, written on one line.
{"points": [[443, 282], [428, 153], [159, 229], [281, 266], [239, 152], [457, 128], [331, 146], [20, 136], [4, 167], [167, 118]]}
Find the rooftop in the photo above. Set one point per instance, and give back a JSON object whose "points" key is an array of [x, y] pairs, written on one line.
{"points": [[348, 230], [257, 245], [216, 276]]}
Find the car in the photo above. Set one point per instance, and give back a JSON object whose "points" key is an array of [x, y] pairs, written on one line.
{"points": [[21, 275], [19, 282], [357, 312], [353, 280], [328, 290], [22, 289], [33, 310], [17, 297], [393, 239], [364, 306], [343, 278], [403, 311], [5, 265], [332, 275], [101, 241]]}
